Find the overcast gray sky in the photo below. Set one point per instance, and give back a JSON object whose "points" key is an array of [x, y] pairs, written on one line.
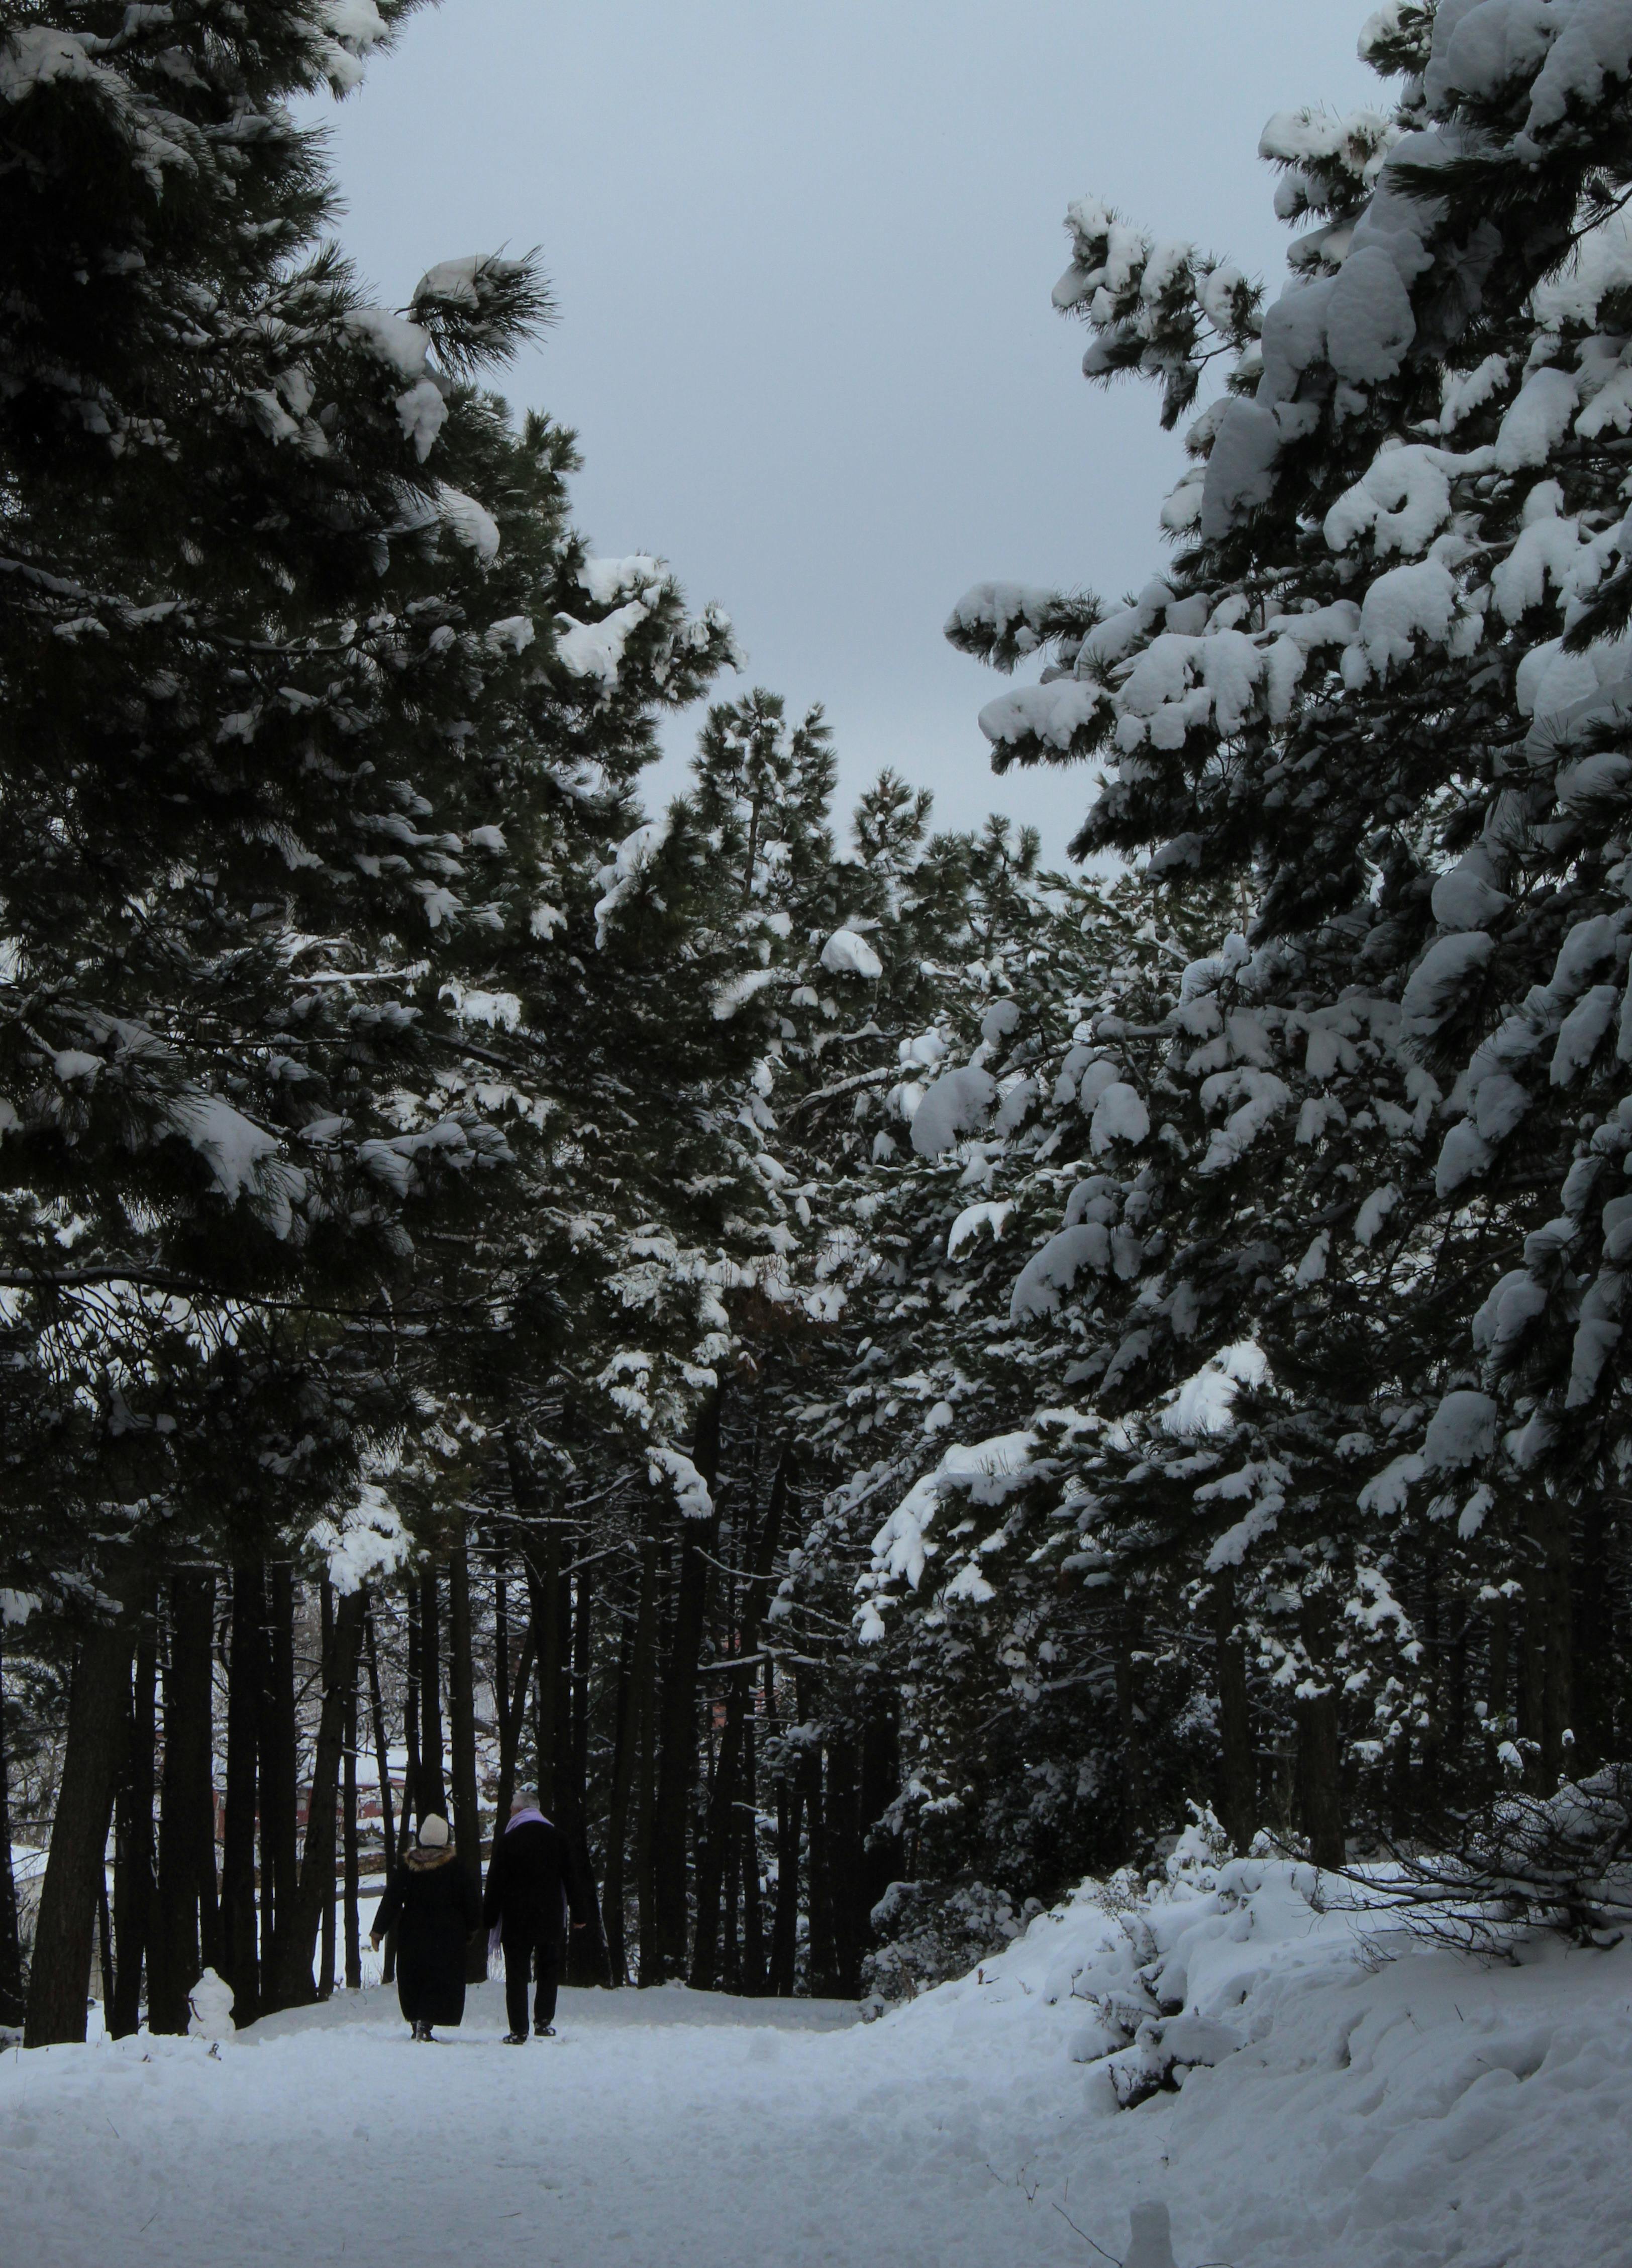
{"points": [[804, 257]]}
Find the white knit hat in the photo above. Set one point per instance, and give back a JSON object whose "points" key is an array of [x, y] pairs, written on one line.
{"points": [[432, 1833]]}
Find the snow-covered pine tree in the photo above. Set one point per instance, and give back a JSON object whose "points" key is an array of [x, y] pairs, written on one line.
{"points": [[1342, 694], [274, 708]]}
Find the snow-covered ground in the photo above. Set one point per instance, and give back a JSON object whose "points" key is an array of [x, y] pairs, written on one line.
{"points": [[1348, 2099]]}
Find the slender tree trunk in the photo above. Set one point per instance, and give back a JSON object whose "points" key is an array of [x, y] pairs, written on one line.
{"points": [[501, 1650], [245, 1675], [10, 1938], [644, 1674], [1238, 1776], [846, 1862], [348, 1830], [187, 1893], [413, 1805], [1431, 1624], [823, 1953], [753, 1971], [133, 1846], [790, 1807], [1498, 1688], [1552, 1533], [881, 1785], [299, 1918], [1130, 1718], [510, 1736], [624, 1744], [730, 1943], [785, 1915], [382, 1764], [98, 1721], [583, 1603], [433, 1781], [587, 1955], [105, 1947], [677, 1770], [462, 1698], [1319, 1756], [413, 1812], [268, 1785], [545, 1580], [326, 1964], [284, 1791], [713, 1868]]}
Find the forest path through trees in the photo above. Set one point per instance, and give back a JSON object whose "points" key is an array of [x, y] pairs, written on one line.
{"points": [[660, 2127]]}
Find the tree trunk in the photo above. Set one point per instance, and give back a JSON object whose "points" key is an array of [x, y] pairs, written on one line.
{"points": [[713, 1868], [846, 1862], [300, 1918], [752, 1980], [543, 1571], [623, 1745], [1238, 1772], [1557, 1659], [881, 1785], [677, 1769], [413, 1807], [782, 1966], [327, 1948], [133, 1843], [282, 1796], [105, 1946], [462, 1698], [348, 1831], [98, 1721], [1430, 1624], [1319, 1756], [382, 1764], [10, 1939], [510, 1735], [1131, 1720], [785, 1915], [383, 1744], [245, 1675], [1498, 1682], [432, 1774], [644, 1674], [185, 1923], [575, 1807], [587, 1961], [823, 1954]]}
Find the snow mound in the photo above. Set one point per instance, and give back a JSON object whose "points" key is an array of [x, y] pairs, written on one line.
{"points": [[1307, 2081]]}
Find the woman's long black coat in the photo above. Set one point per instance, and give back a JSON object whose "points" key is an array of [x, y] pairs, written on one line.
{"points": [[434, 1907]]}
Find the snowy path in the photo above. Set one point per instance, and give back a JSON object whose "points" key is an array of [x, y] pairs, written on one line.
{"points": [[1425, 2113], [659, 2128]]}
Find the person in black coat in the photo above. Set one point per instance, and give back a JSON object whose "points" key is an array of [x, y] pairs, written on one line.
{"points": [[432, 1903], [532, 1880]]}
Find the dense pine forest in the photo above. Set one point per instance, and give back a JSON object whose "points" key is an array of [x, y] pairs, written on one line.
{"points": [[873, 1377]]}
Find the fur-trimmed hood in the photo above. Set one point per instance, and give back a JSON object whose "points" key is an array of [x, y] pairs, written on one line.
{"points": [[426, 1862]]}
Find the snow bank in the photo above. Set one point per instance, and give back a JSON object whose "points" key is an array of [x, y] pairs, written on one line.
{"points": [[1300, 2078]]}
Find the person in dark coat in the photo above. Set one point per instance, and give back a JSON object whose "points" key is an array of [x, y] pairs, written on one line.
{"points": [[432, 1903], [532, 1881]]}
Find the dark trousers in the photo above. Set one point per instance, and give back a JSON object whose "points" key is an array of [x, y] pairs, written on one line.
{"points": [[526, 1956]]}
